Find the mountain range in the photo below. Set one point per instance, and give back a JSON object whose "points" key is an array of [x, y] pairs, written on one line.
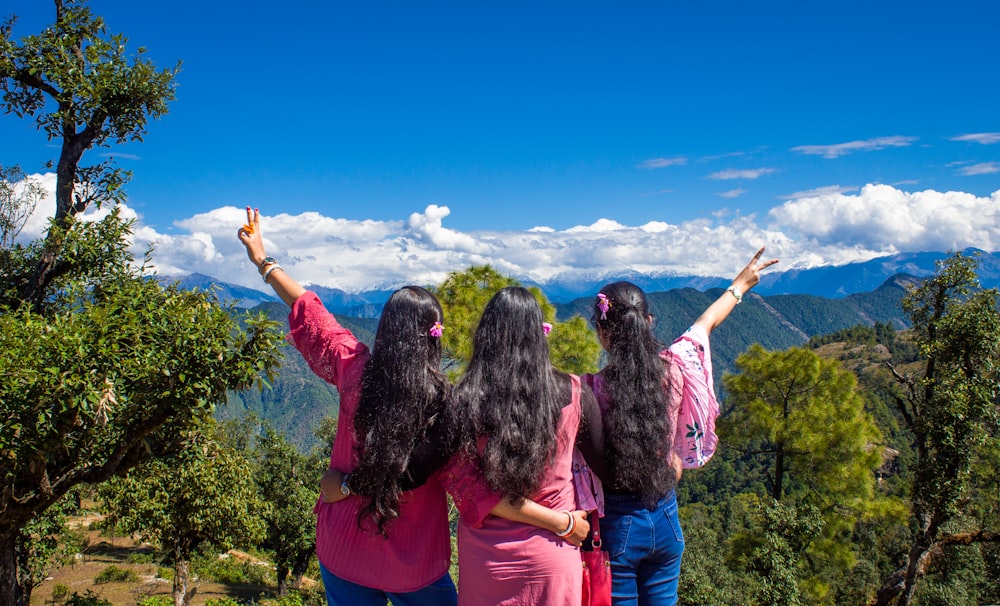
{"points": [[828, 281]]}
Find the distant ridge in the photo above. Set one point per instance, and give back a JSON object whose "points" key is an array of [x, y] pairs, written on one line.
{"points": [[830, 282]]}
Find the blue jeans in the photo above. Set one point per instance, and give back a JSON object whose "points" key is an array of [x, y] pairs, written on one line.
{"points": [[645, 547], [345, 593]]}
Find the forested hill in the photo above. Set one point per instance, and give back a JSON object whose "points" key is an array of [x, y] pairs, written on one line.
{"points": [[776, 322], [297, 400]]}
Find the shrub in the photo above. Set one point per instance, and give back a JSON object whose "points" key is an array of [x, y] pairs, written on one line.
{"points": [[140, 558], [59, 592], [157, 600], [165, 572], [89, 598], [222, 602], [113, 574], [232, 571]]}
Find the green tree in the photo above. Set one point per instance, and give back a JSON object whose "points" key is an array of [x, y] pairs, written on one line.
{"points": [[289, 483], [101, 364], [804, 415], [807, 416], [202, 494], [949, 402], [79, 84], [463, 295], [772, 549]]}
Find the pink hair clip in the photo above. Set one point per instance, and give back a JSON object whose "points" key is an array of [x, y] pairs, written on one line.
{"points": [[603, 304], [547, 328], [437, 330]]}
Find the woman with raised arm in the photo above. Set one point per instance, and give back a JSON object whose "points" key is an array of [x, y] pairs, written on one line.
{"points": [[386, 546], [516, 420], [639, 394]]}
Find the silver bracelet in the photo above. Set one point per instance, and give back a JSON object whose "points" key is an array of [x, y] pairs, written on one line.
{"points": [[572, 526], [267, 274]]}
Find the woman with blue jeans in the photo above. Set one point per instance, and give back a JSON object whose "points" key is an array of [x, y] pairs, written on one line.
{"points": [[639, 394]]}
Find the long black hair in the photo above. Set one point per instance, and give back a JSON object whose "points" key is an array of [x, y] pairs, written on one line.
{"points": [[638, 432], [510, 395], [403, 395]]}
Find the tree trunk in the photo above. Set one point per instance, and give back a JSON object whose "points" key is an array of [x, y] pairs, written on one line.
{"points": [[281, 572], [10, 592], [779, 473], [183, 592], [299, 570]]}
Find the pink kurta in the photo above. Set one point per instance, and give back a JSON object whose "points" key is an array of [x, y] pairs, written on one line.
{"points": [[504, 562], [417, 551]]}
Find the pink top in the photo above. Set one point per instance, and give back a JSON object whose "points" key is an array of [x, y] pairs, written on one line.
{"points": [[417, 551], [504, 562]]}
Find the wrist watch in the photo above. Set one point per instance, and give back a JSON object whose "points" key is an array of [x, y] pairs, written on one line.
{"points": [[345, 488], [736, 293]]}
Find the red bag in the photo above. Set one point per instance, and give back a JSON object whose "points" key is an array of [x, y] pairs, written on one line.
{"points": [[596, 571]]}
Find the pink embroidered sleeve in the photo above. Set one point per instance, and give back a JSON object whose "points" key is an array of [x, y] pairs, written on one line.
{"points": [[322, 341], [463, 480]]}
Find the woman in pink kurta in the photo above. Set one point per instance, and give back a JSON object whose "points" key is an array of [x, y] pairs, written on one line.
{"points": [[392, 545], [516, 420]]}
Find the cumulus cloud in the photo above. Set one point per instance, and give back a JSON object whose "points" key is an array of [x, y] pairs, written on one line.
{"points": [[983, 138], [663, 162], [841, 149], [824, 226], [883, 219], [734, 173]]}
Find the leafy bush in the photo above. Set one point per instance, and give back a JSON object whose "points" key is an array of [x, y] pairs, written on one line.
{"points": [[165, 572], [59, 592], [233, 571], [113, 574], [140, 558], [293, 598], [223, 602], [157, 600], [89, 598]]}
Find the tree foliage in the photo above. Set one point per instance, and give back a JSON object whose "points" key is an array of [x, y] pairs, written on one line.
{"points": [[463, 295], [804, 416], [288, 482], [78, 83], [949, 402], [101, 364], [201, 494]]}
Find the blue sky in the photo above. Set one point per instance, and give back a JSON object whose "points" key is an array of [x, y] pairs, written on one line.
{"points": [[393, 142]]}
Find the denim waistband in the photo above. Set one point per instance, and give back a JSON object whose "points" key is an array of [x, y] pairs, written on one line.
{"points": [[624, 498]]}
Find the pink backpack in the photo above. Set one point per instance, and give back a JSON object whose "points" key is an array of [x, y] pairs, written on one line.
{"points": [[695, 439]]}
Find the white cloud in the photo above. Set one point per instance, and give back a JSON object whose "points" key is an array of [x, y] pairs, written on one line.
{"points": [[734, 173], [842, 149], [884, 219], [983, 168], [984, 138], [825, 226], [820, 191], [733, 193], [662, 162]]}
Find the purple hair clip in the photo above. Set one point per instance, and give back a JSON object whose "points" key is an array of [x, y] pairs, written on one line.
{"points": [[437, 330], [603, 304], [547, 328]]}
